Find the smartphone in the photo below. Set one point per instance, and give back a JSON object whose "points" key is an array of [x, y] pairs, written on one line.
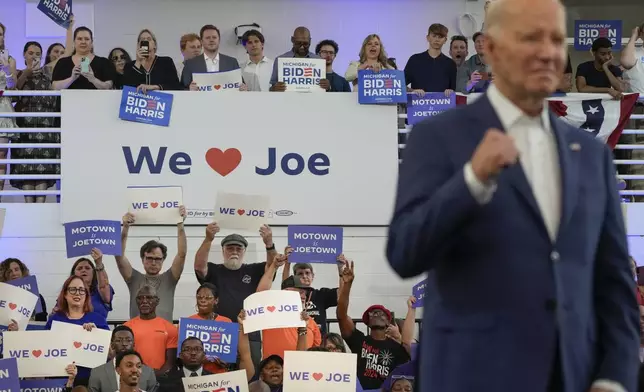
{"points": [[485, 75], [146, 46], [84, 65], [4, 56], [36, 64]]}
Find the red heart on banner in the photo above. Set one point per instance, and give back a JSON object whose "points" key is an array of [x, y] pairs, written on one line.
{"points": [[241, 212], [217, 86], [270, 308], [12, 306], [223, 162], [154, 205], [317, 376], [77, 344], [36, 353]]}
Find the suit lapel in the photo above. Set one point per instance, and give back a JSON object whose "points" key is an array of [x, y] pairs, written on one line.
{"points": [[569, 152], [111, 376], [514, 174], [204, 66]]}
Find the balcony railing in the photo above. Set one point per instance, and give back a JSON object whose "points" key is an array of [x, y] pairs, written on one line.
{"points": [[403, 130]]}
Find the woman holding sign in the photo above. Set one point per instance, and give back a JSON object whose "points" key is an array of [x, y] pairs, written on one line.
{"points": [[95, 277], [75, 307], [207, 300], [14, 269]]}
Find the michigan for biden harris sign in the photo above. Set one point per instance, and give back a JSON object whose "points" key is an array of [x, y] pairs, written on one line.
{"points": [[587, 31], [212, 145], [384, 87], [152, 108]]}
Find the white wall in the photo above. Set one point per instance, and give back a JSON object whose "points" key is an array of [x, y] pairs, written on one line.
{"points": [[402, 24], [33, 234]]}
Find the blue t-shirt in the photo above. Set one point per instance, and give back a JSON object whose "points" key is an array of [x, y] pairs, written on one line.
{"points": [[91, 317], [101, 307]]}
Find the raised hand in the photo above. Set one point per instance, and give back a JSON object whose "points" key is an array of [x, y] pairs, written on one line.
{"points": [[211, 231]]}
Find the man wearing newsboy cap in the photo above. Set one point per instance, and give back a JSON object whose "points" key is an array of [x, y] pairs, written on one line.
{"points": [[235, 279]]}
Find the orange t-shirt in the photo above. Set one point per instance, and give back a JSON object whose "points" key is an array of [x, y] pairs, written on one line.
{"points": [[210, 366], [278, 340], [152, 338]]}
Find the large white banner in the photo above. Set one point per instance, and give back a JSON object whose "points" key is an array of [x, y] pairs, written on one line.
{"points": [[39, 353], [273, 309], [322, 159]]}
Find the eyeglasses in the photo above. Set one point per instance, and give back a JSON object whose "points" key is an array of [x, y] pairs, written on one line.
{"points": [[329, 52], [376, 313], [154, 259], [117, 58], [123, 340], [195, 349], [205, 297], [76, 290]]}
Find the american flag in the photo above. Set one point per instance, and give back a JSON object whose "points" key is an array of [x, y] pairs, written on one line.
{"points": [[215, 338], [308, 72], [389, 83], [151, 104]]}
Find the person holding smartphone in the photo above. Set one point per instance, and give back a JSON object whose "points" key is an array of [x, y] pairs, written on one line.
{"points": [[34, 78], [83, 70], [150, 72]]}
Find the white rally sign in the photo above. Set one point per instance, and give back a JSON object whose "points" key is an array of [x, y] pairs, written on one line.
{"points": [[273, 309], [244, 212], [340, 171], [314, 371], [230, 381], [39, 353], [86, 348], [16, 304], [218, 82], [155, 205]]}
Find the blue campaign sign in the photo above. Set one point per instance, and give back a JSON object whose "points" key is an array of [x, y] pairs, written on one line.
{"points": [[315, 244], [9, 379], [57, 10], [219, 338], [587, 31], [431, 104], [418, 291], [82, 236], [30, 284], [384, 87], [153, 108], [51, 385]]}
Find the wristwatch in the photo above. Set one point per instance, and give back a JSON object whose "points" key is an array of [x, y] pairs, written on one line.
{"points": [[272, 247]]}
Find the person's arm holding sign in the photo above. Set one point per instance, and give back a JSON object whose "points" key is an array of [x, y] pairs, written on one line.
{"points": [[243, 349], [123, 264], [342, 311], [182, 247], [201, 257], [302, 333], [267, 236], [409, 326], [72, 371], [271, 269], [101, 274]]}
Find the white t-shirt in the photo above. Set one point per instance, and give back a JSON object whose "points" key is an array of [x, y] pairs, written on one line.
{"points": [[635, 75]]}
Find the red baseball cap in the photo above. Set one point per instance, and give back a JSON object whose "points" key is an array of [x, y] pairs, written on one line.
{"points": [[365, 315]]}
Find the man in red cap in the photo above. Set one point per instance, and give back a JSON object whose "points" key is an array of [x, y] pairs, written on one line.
{"points": [[379, 352]]}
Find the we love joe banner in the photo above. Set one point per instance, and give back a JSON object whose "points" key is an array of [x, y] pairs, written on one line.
{"points": [[273, 309], [314, 371]]}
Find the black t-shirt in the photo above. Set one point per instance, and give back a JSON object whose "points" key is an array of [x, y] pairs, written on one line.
{"points": [[376, 358], [595, 78], [319, 301], [233, 287], [425, 72], [103, 70]]}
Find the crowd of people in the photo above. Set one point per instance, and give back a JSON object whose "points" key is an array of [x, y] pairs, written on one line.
{"points": [[148, 360]]}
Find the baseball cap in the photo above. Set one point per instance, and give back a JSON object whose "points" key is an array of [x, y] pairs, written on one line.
{"points": [[365, 315], [274, 357], [234, 239], [294, 282]]}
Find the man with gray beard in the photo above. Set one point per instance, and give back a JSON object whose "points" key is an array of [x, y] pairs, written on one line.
{"points": [[234, 279]]}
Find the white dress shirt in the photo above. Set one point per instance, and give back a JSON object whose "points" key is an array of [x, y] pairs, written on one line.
{"points": [[539, 158], [179, 67], [212, 64], [118, 377], [258, 76], [188, 372]]}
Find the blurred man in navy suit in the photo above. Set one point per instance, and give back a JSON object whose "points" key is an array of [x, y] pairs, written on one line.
{"points": [[517, 219]]}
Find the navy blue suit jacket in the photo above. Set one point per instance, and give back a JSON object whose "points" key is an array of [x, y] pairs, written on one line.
{"points": [[501, 292]]}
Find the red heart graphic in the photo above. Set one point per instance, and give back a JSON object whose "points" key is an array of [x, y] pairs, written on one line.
{"points": [[12, 306], [317, 376], [270, 308], [36, 353], [241, 212], [154, 205], [217, 86], [77, 344], [223, 162]]}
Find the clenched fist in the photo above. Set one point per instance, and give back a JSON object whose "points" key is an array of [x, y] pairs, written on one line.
{"points": [[495, 152]]}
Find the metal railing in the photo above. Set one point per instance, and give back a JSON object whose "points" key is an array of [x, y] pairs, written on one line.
{"points": [[403, 130], [9, 146]]}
